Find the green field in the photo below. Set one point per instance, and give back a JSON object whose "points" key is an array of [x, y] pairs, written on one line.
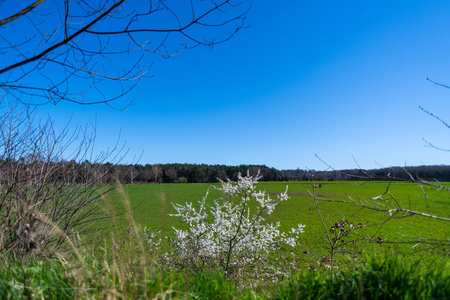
{"points": [[119, 266], [151, 208]]}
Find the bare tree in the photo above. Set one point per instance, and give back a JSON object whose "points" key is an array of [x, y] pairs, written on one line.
{"points": [[172, 174], [68, 50], [133, 173], [45, 199], [156, 172]]}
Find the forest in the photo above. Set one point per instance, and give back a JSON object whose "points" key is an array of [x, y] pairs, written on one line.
{"points": [[108, 173]]}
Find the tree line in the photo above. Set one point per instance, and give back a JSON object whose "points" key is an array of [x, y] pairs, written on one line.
{"points": [[437, 172], [186, 173], [108, 173]]}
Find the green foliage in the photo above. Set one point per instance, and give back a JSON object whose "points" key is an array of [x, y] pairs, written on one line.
{"points": [[388, 277], [209, 285], [35, 280], [182, 180], [55, 280]]}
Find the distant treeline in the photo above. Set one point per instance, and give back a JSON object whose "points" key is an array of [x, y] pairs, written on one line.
{"points": [[106, 173], [440, 173], [202, 173], [187, 173]]}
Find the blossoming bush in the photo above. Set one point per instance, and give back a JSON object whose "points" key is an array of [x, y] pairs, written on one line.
{"points": [[229, 234]]}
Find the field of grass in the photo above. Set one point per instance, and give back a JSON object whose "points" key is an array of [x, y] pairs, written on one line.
{"points": [[123, 267], [151, 208]]}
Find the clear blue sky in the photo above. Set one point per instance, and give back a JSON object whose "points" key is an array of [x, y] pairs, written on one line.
{"points": [[336, 78]]}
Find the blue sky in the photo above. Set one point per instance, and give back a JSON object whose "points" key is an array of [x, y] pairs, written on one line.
{"points": [[342, 79]]}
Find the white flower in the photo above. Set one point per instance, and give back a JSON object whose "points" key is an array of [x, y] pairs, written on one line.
{"points": [[228, 232]]}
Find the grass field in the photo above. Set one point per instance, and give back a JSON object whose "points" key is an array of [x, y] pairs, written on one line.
{"points": [[124, 268], [151, 208]]}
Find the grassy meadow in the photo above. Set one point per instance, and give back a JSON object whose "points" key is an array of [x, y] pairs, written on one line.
{"points": [[151, 207], [121, 266]]}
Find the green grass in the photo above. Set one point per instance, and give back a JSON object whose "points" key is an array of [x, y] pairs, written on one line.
{"points": [[125, 268], [151, 207], [35, 280], [385, 277]]}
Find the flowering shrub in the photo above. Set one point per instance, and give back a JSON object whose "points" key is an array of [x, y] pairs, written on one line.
{"points": [[229, 234], [153, 240]]}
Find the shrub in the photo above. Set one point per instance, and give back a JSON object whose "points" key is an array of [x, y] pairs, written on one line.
{"points": [[229, 234], [44, 199]]}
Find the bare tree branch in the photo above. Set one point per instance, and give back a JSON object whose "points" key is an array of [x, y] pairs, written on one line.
{"points": [[438, 84], [21, 13], [63, 42], [46, 183], [69, 49]]}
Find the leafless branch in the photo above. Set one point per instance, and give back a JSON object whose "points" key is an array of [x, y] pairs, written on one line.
{"points": [[21, 13], [48, 179], [386, 203], [439, 84], [68, 50]]}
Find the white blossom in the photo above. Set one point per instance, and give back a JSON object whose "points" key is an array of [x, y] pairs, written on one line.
{"points": [[229, 233]]}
